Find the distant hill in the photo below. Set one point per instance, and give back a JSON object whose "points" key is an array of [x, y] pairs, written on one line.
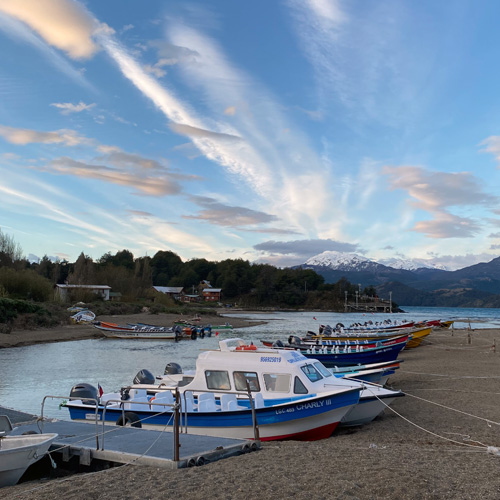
{"points": [[473, 286]]}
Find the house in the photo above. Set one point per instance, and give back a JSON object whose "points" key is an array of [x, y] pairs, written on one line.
{"points": [[176, 292], [212, 294], [191, 298], [63, 292]]}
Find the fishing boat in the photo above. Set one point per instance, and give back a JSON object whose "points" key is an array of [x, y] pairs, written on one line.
{"points": [[418, 334], [17, 453], [295, 342], [349, 356], [149, 332], [292, 397]]}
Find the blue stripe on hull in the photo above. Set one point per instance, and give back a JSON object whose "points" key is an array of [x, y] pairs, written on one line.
{"points": [[379, 355], [241, 418]]}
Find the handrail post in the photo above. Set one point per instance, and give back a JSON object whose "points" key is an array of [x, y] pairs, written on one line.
{"points": [[176, 425], [256, 434]]}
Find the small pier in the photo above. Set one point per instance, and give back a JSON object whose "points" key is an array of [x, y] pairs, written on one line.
{"points": [[124, 445]]}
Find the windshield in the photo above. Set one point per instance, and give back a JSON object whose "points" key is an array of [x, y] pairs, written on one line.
{"points": [[323, 369], [312, 374]]}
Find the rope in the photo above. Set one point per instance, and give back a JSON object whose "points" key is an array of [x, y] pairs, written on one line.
{"points": [[489, 449]]}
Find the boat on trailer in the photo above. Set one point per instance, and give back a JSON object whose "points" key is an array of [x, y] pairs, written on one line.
{"points": [[292, 397], [17, 453]]}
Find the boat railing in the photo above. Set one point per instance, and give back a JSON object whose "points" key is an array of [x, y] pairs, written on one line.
{"points": [[65, 398], [121, 401], [248, 394]]}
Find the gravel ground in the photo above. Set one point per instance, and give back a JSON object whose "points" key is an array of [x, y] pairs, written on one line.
{"points": [[439, 442]]}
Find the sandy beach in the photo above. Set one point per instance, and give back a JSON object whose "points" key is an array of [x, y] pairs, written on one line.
{"points": [[87, 331], [441, 441]]}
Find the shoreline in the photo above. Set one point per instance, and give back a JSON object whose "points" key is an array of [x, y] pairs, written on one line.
{"points": [[66, 333]]}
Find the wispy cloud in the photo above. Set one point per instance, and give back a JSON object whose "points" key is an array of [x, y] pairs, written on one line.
{"points": [[435, 193], [68, 107], [228, 216], [21, 136]]}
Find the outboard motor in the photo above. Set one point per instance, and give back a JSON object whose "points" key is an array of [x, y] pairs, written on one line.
{"points": [[278, 343], [144, 377], [173, 369], [294, 340], [82, 391]]}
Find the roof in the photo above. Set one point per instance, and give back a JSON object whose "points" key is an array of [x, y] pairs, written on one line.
{"points": [[101, 287], [169, 289], [212, 290]]}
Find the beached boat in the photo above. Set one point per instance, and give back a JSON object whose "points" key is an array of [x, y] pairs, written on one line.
{"points": [[83, 316], [17, 453], [349, 356], [295, 342], [293, 397], [417, 334], [150, 332]]}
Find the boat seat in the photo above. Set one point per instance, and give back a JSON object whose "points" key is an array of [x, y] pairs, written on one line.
{"points": [[206, 402], [228, 402], [111, 396], [137, 407], [187, 396], [165, 397], [259, 400]]}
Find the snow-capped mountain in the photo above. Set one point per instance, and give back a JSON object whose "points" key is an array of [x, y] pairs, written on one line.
{"points": [[348, 261], [411, 264], [341, 261]]}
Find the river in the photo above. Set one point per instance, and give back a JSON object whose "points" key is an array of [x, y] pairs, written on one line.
{"points": [[32, 372]]}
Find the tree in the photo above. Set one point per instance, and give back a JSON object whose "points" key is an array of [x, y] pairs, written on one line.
{"points": [[10, 251]]}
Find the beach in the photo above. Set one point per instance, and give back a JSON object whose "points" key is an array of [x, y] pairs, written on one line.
{"points": [[83, 331], [441, 440]]}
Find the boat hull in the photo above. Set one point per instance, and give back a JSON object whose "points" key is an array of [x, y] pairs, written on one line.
{"points": [[376, 355], [309, 418], [17, 453]]}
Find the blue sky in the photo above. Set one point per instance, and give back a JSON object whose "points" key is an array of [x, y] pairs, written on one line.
{"points": [[267, 130]]}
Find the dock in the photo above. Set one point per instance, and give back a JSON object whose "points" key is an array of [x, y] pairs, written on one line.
{"points": [[118, 445]]}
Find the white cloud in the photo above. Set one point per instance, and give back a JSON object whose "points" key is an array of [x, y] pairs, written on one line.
{"points": [[68, 107], [21, 136], [61, 23]]}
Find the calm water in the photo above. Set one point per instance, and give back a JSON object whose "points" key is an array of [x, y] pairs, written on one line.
{"points": [[32, 372]]}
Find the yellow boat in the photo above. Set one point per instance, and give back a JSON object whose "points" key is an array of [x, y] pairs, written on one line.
{"points": [[418, 335]]}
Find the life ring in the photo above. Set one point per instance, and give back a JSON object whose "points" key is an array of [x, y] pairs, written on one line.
{"points": [[250, 347]]}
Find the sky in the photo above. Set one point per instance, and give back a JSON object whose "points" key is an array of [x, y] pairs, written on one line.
{"points": [[270, 130]]}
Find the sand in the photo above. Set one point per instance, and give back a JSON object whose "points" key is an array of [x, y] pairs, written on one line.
{"points": [[87, 331], [434, 447]]}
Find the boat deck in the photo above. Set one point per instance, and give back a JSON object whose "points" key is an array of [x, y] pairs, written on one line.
{"points": [[122, 445]]}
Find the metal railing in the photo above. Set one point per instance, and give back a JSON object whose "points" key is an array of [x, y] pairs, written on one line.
{"points": [[179, 413]]}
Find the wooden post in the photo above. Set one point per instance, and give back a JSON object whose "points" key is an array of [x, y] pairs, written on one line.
{"points": [[494, 346], [469, 338]]}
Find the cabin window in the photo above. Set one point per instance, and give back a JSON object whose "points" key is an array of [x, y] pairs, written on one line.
{"points": [[240, 381], [323, 369], [277, 382], [311, 373], [217, 380], [299, 387]]}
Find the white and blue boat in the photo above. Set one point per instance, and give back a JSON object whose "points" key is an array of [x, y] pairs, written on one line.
{"points": [[293, 397]]}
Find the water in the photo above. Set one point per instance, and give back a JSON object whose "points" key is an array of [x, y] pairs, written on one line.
{"points": [[32, 372]]}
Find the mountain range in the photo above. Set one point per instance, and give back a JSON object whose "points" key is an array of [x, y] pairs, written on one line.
{"points": [[414, 282]]}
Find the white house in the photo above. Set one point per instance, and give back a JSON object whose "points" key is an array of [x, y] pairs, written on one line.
{"points": [[63, 291]]}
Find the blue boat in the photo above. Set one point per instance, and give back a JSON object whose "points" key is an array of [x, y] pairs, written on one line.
{"points": [[335, 356]]}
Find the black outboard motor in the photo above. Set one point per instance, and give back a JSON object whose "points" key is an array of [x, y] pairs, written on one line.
{"points": [[173, 369], [294, 340], [144, 377], [278, 343], [82, 391]]}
